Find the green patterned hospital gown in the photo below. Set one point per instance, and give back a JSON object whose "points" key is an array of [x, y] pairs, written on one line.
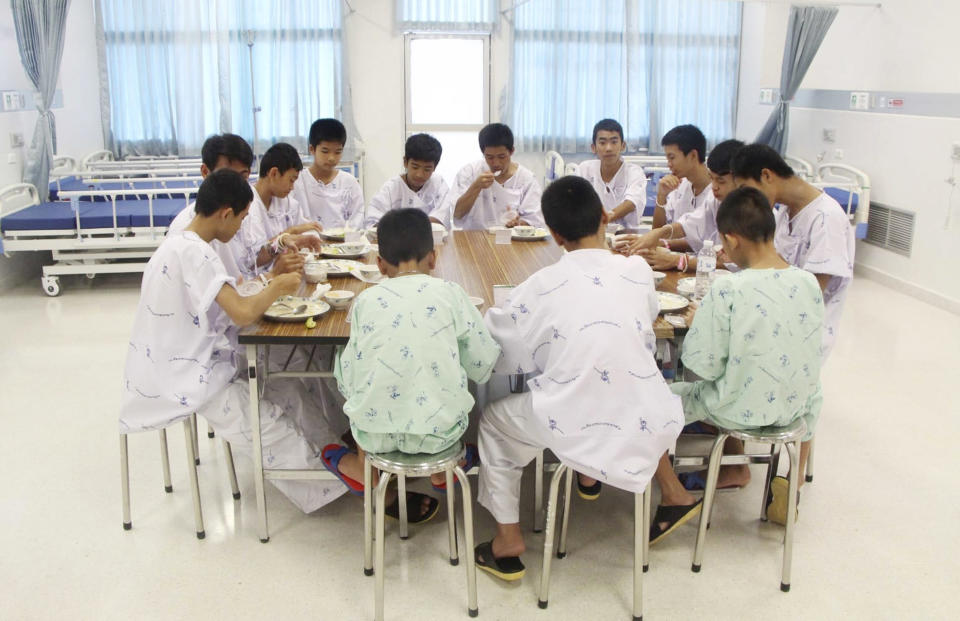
{"points": [[414, 342], [755, 341]]}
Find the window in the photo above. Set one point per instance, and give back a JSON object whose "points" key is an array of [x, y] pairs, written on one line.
{"points": [[178, 70], [446, 15], [651, 65], [447, 84]]}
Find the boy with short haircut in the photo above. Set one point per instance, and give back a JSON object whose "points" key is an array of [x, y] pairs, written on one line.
{"points": [[414, 343], [182, 355], [328, 195], [585, 325], [755, 342], [270, 237], [622, 187], [688, 185], [695, 226], [495, 191], [417, 187]]}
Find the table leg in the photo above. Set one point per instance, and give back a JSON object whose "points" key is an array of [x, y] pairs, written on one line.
{"points": [[258, 479]]}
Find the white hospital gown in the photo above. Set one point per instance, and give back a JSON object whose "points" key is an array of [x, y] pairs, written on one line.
{"points": [[628, 184], [819, 239], [700, 224], [521, 193], [585, 325], [226, 252], [338, 204], [260, 226], [431, 199], [683, 200]]}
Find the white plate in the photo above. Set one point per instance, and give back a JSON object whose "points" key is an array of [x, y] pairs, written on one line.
{"points": [[537, 235], [670, 302], [282, 309], [336, 252], [336, 234], [340, 267]]}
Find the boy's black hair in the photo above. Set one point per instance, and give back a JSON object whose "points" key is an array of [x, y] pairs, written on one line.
{"points": [[496, 135], [422, 147], [749, 162], [281, 156], [571, 208], [223, 188], [327, 130], [721, 155], [231, 146], [403, 235], [747, 213], [686, 138], [607, 125]]}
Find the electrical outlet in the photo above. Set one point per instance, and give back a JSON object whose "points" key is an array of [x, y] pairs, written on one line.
{"points": [[955, 151], [16, 140], [829, 135], [766, 95], [12, 100], [859, 101]]}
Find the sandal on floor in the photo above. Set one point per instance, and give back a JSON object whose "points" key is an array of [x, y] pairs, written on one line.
{"points": [[588, 493], [415, 512], [472, 457], [332, 454], [697, 482], [674, 517], [777, 500], [508, 568]]}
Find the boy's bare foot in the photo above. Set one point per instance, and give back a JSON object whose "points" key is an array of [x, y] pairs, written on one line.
{"points": [[509, 541]]}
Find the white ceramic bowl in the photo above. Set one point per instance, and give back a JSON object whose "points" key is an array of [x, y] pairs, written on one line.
{"points": [[524, 231], [476, 301], [338, 298], [369, 270], [658, 277], [352, 248], [315, 272]]}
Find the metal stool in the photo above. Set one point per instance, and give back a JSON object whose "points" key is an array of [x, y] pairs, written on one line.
{"points": [[190, 437], [416, 465], [788, 436], [809, 474], [641, 538]]}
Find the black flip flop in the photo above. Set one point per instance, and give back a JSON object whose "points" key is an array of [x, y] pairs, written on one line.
{"points": [[589, 493], [414, 507], [508, 568], [674, 517]]}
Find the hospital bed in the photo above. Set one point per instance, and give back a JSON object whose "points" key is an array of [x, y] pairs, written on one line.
{"points": [[113, 235], [850, 187], [802, 168]]}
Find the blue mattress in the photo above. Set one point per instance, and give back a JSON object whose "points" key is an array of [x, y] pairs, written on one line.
{"points": [[652, 182], [843, 196], [73, 184], [57, 216]]}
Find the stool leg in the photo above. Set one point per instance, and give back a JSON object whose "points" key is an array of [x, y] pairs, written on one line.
{"points": [[402, 498], [793, 450], [809, 476], [210, 433], [639, 547], [647, 499], [231, 470], [772, 466], [452, 519], [165, 461], [194, 483], [544, 595], [713, 471], [196, 441], [538, 495], [562, 547], [378, 557], [367, 519], [125, 482], [467, 499]]}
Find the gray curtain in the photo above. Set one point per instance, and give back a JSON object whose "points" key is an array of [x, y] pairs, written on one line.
{"points": [[40, 26], [805, 32]]}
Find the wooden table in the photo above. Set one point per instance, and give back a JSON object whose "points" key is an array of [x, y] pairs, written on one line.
{"points": [[469, 258]]}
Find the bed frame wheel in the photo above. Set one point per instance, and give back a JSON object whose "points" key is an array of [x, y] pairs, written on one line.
{"points": [[51, 285]]}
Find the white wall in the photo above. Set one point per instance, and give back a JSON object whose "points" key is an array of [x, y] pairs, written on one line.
{"points": [[907, 46], [78, 121]]}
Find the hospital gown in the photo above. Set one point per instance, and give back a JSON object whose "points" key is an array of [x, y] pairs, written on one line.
{"points": [[227, 252], [820, 240], [628, 184], [415, 341], [584, 325], [260, 226], [521, 193], [700, 224], [755, 341], [338, 204], [683, 200], [182, 359], [431, 199]]}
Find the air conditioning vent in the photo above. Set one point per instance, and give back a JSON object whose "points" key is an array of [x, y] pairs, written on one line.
{"points": [[891, 228]]}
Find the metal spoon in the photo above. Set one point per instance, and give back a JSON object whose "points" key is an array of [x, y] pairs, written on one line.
{"points": [[298, 310]]}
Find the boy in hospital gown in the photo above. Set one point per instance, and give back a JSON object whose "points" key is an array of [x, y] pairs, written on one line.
{"points": [[495, 191], [755, 342], [182, 352], [417, 187], [621, 186], [687, 187], [330, 197], [599, 402]]}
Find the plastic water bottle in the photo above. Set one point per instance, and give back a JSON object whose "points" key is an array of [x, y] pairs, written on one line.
{"points": [[706, 266]]}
